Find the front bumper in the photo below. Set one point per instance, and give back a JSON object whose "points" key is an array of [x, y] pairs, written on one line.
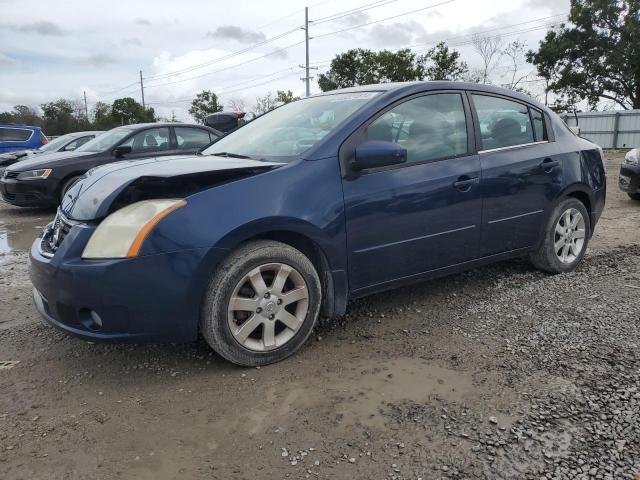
{"points": [[31, 193], [153, 298], [629, 179]]}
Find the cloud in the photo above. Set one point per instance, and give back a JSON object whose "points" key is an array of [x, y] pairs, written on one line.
{"points": [[396, 34], [239, 34], [39, 28], [279, 54], [6, 60], [142, 21], [97, 60], [131, 42]]}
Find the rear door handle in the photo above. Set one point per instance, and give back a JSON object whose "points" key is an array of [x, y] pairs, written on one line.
{"points": [[465, 183], [548, 165]]}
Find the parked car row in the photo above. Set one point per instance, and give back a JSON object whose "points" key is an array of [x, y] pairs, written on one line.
{"points": [[43, 179]]}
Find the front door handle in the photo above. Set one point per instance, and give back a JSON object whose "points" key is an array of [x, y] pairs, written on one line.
{"points": [[548, 165], [465, 183]]}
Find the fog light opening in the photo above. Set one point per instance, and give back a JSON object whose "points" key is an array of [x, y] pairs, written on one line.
{"points": [[90, 319]]}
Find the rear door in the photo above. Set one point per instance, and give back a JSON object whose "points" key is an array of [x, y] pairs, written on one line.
{"points": [[190, 140], [424, 215], [521, 177], [151, 142]]}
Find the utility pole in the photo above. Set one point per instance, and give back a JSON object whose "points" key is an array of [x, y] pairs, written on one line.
{"points": [[86, 108], [142, 91], [306, 44]]}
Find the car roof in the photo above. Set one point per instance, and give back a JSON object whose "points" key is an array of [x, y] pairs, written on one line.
{"points": [[21, 125], [80, 134], [163, 124], [419, 86]]}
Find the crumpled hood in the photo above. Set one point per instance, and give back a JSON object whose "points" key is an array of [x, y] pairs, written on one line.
{"points": [[91, 197], [45, 160]]}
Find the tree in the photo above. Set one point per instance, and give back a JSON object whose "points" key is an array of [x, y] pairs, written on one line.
{"points": [[515, 51], [205, 103], [21, 114], [101, 116], [264, 104], [126, 110], [60, 117], [361, 67], [442, 64], [285, 97], [595, 56], [237, 104], [490, 50]]}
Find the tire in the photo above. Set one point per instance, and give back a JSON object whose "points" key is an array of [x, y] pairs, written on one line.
{"points": [[66, 186], [567, 257], [266, 338], [634, 196]]}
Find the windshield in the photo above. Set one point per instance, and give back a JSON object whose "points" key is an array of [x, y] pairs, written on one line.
{"points": [[105, 141], [56, 143], [288, 131]]}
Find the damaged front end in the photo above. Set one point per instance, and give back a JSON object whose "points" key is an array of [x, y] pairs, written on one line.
{"points": [[109, 188]]}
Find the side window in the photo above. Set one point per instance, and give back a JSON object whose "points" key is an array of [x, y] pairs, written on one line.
{"points": [[151, 140], [503, 123], [190, 138], [78, 142], [431, 127], [539, 126], [15, 134]]}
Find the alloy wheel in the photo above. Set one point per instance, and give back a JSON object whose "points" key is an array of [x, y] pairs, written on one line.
{"points": [[268, 306], [570, 233]]}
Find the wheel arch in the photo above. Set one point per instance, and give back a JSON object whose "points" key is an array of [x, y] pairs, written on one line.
{"points": [[584, 194], [312, 242]]}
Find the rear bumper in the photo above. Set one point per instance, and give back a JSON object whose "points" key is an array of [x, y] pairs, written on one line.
{"points": [[629, 179], [154, 298], [33, 193]]}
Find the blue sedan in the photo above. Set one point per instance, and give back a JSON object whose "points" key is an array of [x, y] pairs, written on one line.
{"points": [[312, 205]]}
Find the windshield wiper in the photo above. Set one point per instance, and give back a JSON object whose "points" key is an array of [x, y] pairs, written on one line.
{"points": [[231, 155]]}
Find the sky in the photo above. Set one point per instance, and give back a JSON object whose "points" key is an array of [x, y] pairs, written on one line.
{"points": [[240, 50]]}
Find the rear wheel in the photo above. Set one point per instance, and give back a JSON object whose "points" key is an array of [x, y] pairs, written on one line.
{"points": [[634, 196], [66, 186], [565, 238], [262, 304]]}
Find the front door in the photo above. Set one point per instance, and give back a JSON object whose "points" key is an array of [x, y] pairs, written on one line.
{"points": [[406, 220], [521, 174]]}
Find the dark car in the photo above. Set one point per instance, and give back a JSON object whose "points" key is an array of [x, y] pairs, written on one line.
{"points": [[64, 143], [20, 137], [629, 180], [313, 204], [43, 180]]}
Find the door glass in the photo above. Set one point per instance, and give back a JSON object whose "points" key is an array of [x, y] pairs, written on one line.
{"points": [[429, 127], [503, 123], [191, 138], [539, 126], [151, 140]]}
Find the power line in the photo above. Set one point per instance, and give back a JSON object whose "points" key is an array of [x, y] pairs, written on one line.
{"points": [[229, 67], [352, 11], [383, 19], [224, 57]]}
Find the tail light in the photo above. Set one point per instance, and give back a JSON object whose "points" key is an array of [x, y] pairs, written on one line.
{"points": [[43, 140]]}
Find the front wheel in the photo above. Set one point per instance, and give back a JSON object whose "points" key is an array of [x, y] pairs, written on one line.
{"points": [[66, 186], [565, 238], [262, 304]]}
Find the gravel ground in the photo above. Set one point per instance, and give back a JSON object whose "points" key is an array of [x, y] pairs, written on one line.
{"points": [[500, 372]]}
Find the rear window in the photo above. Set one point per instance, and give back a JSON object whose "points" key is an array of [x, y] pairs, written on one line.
{"points": [[8, 134]]}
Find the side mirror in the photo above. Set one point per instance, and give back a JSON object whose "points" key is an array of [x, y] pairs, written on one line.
{"points": [[575, 130], [121, 151], [376, 153]]}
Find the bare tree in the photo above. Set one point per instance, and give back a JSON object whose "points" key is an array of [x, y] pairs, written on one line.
{"points": [[490, 49], [515, 51], [264, 104], [237, 104]]}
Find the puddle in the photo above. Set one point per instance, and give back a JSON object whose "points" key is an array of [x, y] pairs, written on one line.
{"points": [[20, 237]]}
